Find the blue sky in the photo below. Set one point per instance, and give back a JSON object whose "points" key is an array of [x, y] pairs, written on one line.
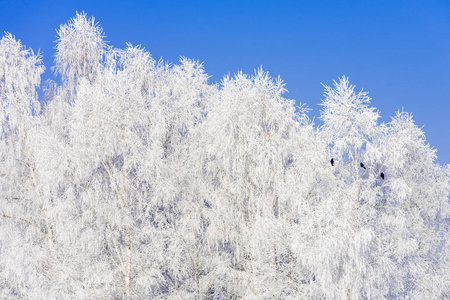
{"points": [[399, 51]]}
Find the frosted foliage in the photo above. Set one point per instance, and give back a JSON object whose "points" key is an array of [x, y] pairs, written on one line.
{"points": [[139, 179], [20, 71], [79, 49], [348, 119]]}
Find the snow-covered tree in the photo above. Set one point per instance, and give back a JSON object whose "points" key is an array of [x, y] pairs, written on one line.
{"points": [[252, 137], [26, 238], [361, 239], [80, 50], [412, 210], [336, 234]]}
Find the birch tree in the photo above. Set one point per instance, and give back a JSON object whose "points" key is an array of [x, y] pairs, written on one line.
{"points": [[412, 208], [80, 49], [338, 230], [251, 137], [28, 244]]}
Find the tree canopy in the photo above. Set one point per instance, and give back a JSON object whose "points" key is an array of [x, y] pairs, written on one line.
{"points": [[139, 179]]}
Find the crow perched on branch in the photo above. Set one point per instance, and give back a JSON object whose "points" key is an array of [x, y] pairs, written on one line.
{"points": [[332, 162], [382, 175], [362, 166]]}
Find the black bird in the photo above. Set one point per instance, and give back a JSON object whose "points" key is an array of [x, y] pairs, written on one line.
{"points": [[382, 175], [332, 162], [362, 166]]}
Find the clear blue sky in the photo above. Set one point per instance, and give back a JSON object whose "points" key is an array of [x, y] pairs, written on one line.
{"points": [[399, 51]]}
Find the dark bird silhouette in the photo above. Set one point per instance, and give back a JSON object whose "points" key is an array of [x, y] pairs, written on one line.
{"points": [[362, 166], [382, 175], [332, 162]]}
